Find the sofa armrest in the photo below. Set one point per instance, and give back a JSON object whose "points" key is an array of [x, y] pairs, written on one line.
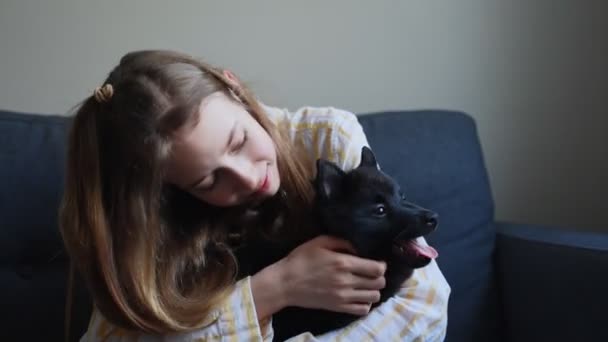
{"points": [[553, 283]]}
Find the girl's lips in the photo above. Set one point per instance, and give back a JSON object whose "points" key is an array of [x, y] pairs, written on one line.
{"points": [[258, 194], [264, 185]]}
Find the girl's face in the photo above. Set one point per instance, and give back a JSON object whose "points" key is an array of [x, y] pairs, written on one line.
{"points": [[227, 158]]}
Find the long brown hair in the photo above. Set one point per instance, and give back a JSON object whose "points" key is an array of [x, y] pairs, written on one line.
{"points": [[155, 258]]}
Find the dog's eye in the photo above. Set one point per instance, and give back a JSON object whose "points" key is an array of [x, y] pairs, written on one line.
{"points": [[380, 210]]}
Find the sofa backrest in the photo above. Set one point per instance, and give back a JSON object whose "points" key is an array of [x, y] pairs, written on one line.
{"points": [[436, 157], [34, 266]]}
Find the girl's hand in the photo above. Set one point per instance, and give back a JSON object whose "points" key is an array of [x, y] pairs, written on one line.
{"points": [[320, 275]]}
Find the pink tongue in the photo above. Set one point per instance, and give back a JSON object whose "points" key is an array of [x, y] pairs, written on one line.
{"points": [[426, 251]]}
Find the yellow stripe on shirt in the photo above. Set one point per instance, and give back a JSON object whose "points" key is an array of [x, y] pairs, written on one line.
{"points": [[229, 318], [430, 298], [313, 126], [432, 327], [390, 316], [251, 316]]}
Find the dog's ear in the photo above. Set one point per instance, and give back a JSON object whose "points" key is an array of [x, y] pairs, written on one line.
{"points": [[329, 178], [368, 158]]}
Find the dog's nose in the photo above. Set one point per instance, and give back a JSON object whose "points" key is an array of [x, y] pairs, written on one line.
{"points": [[430, 219]]}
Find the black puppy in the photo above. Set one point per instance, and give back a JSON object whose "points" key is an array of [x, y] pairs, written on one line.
{"points": [[366, 207]]}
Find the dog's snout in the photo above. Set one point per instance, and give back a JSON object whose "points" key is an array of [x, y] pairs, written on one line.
{"points": [[430, 219]]}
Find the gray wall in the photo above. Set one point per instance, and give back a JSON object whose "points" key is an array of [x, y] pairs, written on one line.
{"points": [[532, 73]]}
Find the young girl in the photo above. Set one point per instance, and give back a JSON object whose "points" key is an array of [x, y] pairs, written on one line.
{"points": [[172, 165]]}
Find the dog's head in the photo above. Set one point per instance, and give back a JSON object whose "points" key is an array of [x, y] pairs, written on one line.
{"points": [[367, 207]]}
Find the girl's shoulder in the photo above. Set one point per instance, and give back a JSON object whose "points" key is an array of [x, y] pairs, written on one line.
{"points": [[310, 117], [322, 132]]}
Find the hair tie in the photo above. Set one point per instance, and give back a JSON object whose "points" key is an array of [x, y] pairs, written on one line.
{"points": [[104, 93]]}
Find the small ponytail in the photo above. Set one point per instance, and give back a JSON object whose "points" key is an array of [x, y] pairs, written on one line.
{"points": [[82, 206]]}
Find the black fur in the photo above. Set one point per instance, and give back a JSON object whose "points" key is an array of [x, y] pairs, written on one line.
{"points": [[366, 207]]}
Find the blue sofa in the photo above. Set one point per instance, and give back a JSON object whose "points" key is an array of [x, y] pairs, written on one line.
{"points": [[510, 282]]}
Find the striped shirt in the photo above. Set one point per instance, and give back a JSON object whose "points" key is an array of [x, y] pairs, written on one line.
{"points": [[417, 312]]}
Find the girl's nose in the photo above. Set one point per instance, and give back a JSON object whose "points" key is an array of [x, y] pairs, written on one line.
{"points": [[246, 179]]}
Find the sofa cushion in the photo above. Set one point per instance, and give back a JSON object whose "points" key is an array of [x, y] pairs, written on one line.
{"points": [[436, 157], [31, 177]]}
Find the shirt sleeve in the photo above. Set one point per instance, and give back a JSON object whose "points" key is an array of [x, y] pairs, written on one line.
{"points": [[236, 320], [323, 132]]}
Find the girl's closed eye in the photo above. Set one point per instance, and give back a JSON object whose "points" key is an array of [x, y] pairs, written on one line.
{"points": [[208, 184], [241, 142]]}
